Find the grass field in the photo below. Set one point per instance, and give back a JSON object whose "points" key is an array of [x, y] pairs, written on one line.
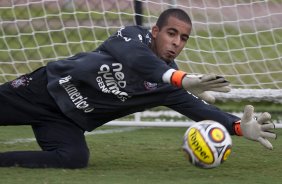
{"points": [[146, 155]]}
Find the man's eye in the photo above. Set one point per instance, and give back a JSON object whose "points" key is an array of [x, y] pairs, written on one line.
{"points": [[171, 34], [184, 39]]}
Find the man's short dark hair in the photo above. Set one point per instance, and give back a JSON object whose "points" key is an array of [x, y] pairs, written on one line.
{"points": [[172, 12]]}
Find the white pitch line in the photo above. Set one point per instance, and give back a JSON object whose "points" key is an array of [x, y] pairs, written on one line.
{"points": [[110, 131], [95, 132], [15, 141]]}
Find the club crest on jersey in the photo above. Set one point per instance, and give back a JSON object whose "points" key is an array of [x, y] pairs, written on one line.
{"points": [[21, 81], [150, 86]]}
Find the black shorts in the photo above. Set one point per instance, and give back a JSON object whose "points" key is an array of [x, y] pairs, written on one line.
{"points": [[26, 101]]}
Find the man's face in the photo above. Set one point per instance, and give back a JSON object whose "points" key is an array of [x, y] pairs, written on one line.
{"points": [[171, 39]]}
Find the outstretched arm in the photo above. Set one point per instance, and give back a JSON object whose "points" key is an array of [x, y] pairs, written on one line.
{"points": [[256, 129]]}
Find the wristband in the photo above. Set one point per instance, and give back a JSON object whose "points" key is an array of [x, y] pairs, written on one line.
{"points": [[177, 77], [237, 128]]}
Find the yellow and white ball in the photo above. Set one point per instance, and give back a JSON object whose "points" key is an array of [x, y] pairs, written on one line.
{"points": [[207, 144]]}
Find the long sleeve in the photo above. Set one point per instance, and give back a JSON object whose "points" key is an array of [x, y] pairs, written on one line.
{"points": [[198, 110]]}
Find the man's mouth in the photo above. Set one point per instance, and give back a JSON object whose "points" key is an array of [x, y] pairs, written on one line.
{"points": [[171, 53]]}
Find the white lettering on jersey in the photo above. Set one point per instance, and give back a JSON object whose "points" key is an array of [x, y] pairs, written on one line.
{"points": [[111, 79], [197, 97], [75, 96], [119, 34], [140, 37], [148, 38]]}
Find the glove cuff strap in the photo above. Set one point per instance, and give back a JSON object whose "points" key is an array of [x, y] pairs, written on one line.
{"points": [[177, 77], [237, 128]]}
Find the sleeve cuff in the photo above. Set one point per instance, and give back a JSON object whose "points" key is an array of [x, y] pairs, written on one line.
{"points": [[167, 75], [237, 128]]}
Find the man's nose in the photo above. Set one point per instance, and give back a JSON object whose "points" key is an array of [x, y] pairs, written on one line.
{"points": [[176, 41]]}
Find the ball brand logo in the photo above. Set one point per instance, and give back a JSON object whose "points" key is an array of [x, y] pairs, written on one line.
{"points": [[216, 135], [200, 148], [207, 143]]}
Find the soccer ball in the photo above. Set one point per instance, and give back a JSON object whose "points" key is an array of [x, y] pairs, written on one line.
{"points": [[207, 144]]}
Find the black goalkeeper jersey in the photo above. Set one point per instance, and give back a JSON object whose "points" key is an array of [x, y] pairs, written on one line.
{"points": [[120, 77]]}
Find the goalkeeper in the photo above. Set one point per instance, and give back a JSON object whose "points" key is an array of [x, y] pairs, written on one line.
{"points": [[131, 71]]}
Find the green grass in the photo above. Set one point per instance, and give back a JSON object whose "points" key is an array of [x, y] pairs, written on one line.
{"points": [[148, 155]]}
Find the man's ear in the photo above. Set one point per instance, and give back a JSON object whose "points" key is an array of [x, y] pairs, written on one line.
{"points": [[155, 31]]}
